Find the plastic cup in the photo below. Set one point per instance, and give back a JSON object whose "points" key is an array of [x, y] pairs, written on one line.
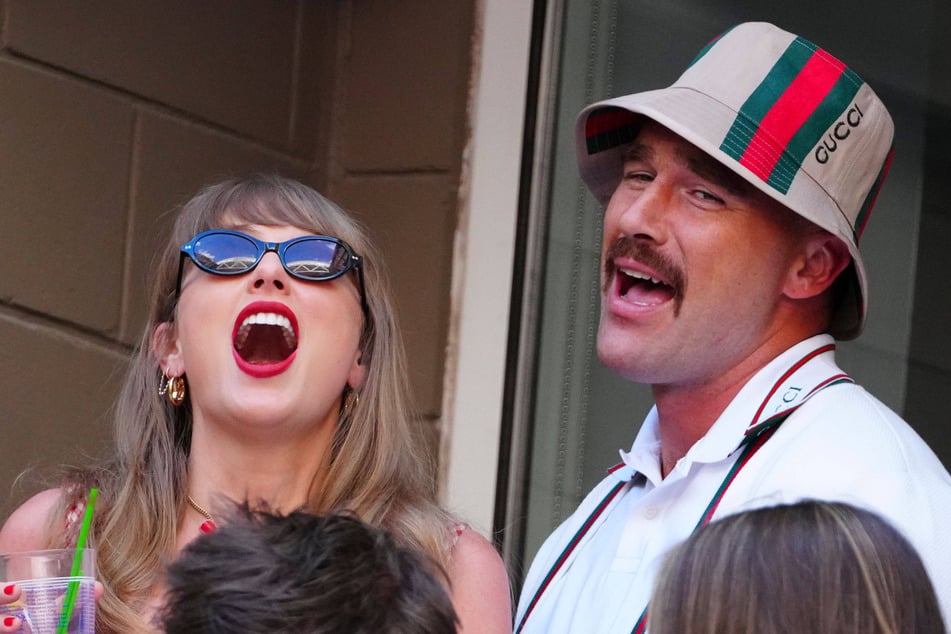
{"points": [[44, 577]]}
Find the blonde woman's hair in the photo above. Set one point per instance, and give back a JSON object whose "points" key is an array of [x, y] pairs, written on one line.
{"points": [[818, 567], [379, 468]]}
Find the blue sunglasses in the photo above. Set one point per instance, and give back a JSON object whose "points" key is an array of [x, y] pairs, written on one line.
{"points": [[308, 258]]}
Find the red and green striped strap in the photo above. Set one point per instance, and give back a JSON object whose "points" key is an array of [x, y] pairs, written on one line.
{"points": [[755, 437], [570, 547]]}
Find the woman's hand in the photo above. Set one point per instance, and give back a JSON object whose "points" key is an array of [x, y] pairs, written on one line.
{"points": [[22, 532], [9, 597], [10, 606]]}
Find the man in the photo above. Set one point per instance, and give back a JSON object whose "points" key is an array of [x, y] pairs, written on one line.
{"points": [[734, 203]]}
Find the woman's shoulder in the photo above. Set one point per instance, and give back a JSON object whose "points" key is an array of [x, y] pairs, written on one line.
{"points": [[469, 547], [26, 528], [479, 582]]}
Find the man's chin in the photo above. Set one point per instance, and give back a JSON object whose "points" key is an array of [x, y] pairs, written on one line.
{"points": [[636, 359], [623, 360]]}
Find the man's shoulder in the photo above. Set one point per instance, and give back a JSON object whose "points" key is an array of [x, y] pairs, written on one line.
{"points": [[847, 412], [845, 439]]}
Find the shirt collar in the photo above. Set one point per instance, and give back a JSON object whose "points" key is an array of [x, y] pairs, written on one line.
{"points": [[728, 431]]}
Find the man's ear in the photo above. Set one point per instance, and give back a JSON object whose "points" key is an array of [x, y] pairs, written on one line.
{"points": [[822, 258], [166, 349]]}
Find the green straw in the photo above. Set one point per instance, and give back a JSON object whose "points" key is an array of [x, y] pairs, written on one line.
{"points": [[67, 614]]}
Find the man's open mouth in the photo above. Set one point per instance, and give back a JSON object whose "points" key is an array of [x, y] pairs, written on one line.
{"points": [[640, 288], [641, 275]]}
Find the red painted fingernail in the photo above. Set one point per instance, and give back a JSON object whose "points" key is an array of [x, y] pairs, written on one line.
{"points": [[9, 589], [8, 621]]}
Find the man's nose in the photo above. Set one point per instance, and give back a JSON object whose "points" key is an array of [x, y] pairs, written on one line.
{"points": [[645, 214]]}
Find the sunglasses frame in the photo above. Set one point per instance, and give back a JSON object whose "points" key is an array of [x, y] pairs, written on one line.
{"points": [[263, 247]]}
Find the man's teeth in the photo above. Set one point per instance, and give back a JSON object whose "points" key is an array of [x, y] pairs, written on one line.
{"points": [[641, 276]]}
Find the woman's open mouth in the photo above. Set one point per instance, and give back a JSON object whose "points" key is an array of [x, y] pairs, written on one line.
{"points": [[264, 339]]}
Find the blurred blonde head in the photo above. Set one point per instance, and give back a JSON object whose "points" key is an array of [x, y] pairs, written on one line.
{"points": [[818, 567]]}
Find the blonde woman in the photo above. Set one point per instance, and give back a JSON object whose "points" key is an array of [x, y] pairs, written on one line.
{"points": [[818, 567], [271, 371]]}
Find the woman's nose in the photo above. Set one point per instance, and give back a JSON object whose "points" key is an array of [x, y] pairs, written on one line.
{"points": [[269, 273]]}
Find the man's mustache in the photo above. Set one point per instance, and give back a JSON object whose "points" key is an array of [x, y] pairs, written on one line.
{"points": [[648, 255]]}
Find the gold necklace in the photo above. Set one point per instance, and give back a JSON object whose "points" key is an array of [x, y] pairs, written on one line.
{"points": [[209, 525]]}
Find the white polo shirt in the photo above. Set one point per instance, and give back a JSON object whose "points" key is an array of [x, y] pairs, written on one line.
{"points": [[840, 443]]}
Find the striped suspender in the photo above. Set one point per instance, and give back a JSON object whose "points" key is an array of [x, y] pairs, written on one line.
{"points": [[572, 544], [755, 437], [751, 444]]}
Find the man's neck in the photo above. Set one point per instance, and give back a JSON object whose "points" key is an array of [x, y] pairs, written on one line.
{"points": [[686, 412], [685, 415]]}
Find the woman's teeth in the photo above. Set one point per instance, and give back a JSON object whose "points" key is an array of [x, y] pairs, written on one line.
{"points": [[266, 319]]}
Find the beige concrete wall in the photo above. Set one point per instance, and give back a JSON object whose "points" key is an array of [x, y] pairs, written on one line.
{"points": [[112, 112]]}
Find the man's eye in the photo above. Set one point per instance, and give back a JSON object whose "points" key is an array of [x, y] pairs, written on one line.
{"points": [[707, 196], [635, 175]]}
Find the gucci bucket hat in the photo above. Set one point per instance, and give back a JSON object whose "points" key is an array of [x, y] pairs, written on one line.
{"points": [[785, 115]]}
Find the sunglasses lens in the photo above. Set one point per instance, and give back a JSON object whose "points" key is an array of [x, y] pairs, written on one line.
{"points": [[225, 253], [316, 258]]}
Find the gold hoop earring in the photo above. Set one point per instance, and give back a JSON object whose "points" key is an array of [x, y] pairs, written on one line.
{"points": [[175, 389]]}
